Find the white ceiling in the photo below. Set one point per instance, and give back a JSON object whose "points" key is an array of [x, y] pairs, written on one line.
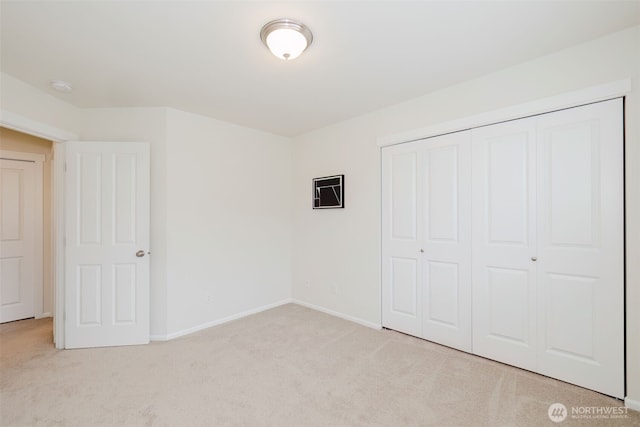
{"points": [[206, 57]]}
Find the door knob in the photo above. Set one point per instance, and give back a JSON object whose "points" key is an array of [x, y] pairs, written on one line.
{"points": [[534, 258], [140, 254]]}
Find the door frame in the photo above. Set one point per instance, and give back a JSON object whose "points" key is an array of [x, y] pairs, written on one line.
{"points": [[58, 136], [38, 289]]}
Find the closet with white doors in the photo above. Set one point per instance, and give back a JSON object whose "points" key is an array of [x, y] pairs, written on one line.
{"points": [[426, 235], [507, 241]]}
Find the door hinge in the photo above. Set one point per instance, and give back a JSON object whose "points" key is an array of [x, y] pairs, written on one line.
{"points": [[65, 166]]}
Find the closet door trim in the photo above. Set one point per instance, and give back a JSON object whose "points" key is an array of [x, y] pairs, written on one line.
{"points": [[603, 92]]}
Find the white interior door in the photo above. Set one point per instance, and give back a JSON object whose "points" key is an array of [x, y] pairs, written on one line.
{"points": [[580, 246], [426, 217], [548, 241], [446, 241], [18, 206], [504, 241], [107, 243], [401, 233]]}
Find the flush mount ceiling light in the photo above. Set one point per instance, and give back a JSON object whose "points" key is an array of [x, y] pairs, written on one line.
{"points": [[286, 38], [61, 86]]}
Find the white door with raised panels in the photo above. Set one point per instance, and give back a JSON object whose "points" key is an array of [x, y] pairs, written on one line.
{"points": [[18, 230], [401, 238], [426, 214], [580, 240], [507, 241], [107, 244], [446, 240], [504, 242], [548, 241]]}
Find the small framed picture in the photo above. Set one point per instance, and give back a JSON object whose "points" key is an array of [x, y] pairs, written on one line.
{"points": [[328, 192]]}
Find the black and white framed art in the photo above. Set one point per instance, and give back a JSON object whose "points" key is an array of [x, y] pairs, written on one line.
{"points": [[328, 192]]}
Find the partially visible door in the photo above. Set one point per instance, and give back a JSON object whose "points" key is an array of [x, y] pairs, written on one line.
{"points": [[107, 244], [18, 206]]}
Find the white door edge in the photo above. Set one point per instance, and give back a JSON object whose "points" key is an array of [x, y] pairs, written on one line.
{"points": [[58, 231], [38, 289]]}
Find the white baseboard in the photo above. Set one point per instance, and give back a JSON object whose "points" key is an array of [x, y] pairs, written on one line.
{"points": [[183, 332], [632, 404], [340, 315], [42, 315], [197, 328]]}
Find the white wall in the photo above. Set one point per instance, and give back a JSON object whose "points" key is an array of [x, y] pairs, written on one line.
{"points": [[220, 214], [141, 125], [22, 99], [220, 205], [228, 220], [336, 252], [26, 108]]}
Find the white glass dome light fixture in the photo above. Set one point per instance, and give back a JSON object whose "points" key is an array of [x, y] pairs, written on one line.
{"points": [[61, 86], [286, 38]]}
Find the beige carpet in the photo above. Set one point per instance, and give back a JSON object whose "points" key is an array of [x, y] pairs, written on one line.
{"points": [[289, 366]]}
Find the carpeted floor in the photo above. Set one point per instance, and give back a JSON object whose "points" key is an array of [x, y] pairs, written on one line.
{"points": [[290, 366]]}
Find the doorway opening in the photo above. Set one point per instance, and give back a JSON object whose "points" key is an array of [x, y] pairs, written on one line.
{"points": [[26, 235]]}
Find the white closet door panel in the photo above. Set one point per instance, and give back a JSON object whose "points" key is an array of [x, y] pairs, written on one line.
{"points": [[580, 246], [403, 274], [509, 292], [504, 292], [401, 267], [17, 239], [507, 181], [446, 257], [441, 170], [403, 196]]}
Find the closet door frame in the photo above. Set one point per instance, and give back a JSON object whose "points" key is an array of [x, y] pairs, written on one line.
{"points": [[603, 92]]}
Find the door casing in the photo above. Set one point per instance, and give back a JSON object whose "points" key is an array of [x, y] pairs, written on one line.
{"points": [[58, 136]]}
